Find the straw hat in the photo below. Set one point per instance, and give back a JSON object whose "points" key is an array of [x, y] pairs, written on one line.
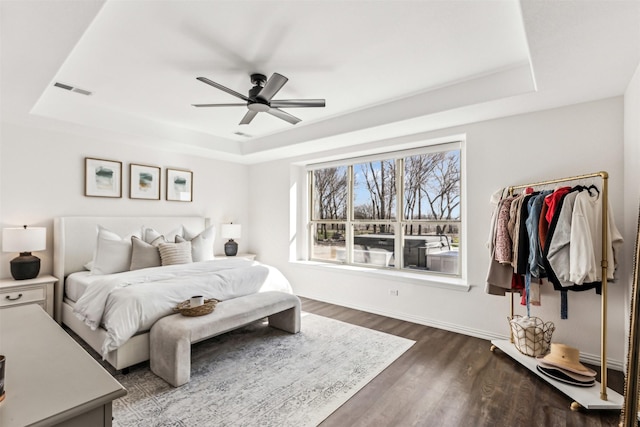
{"points": [[564, 357]]}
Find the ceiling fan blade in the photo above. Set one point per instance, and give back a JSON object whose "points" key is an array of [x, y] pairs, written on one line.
{"points": [[297, 103], [222, 88], [248, 117], [283, 115], [274, 84], [219, 105]]}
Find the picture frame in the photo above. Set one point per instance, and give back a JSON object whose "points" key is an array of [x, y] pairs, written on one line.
{"points": [[179, 185], [144, 182], [102, 178]]}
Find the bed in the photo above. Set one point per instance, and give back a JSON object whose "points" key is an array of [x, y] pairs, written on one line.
{"points": [[74, 246]]}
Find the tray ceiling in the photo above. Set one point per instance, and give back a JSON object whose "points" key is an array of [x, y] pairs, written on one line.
{"points": [[385, 68]]}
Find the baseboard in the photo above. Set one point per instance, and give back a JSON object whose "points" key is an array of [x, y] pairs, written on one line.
{"points": [[452, 327]]}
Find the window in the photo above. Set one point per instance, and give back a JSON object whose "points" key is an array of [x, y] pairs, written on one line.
{"points": [[397, 211]]}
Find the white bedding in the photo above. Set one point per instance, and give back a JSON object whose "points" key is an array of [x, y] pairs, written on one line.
{"points": [[77, 283], [128, 302]]}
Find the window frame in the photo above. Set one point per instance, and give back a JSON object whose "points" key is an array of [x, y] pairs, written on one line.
{"points": [[399, 222]]}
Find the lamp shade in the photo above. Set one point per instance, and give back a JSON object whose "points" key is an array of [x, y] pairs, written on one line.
{"points": [[24, 239], [231, 231]]}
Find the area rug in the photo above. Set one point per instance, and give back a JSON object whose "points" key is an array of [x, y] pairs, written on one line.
{"points": [[260, 376]]}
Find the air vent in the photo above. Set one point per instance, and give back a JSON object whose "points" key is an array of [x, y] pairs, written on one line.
{"points": [[246, 135], [81, 91], [71, 88], [63, 86]]}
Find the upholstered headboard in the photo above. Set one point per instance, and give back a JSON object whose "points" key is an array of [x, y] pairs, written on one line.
{"points": [[74, 240]]}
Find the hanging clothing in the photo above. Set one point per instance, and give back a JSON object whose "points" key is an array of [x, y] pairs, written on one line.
{"points": [[554, 235], [503, 244], [499, 275], [565, 200], [553, 200], [513, 226], [536, 266], [543, 225], [558, 253], [550, 256], [521, 259], [494, 202], [585, 252]]}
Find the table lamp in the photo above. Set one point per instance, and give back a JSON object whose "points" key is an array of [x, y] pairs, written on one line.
{"points": [[24, 240], [231, 231]]}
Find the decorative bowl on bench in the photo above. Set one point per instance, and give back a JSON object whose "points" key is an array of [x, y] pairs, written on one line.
{"points": [[185, 308]]}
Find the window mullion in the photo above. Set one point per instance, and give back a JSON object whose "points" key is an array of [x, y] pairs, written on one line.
{"points": [[350, 216], [399, 243], [310, 225]]}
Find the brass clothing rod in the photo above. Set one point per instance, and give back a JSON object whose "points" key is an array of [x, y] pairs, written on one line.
{"points": [[603, 175], [603, 264]]}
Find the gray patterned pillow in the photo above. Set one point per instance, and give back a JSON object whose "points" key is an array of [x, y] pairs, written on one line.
{"points": [[175, 253]]}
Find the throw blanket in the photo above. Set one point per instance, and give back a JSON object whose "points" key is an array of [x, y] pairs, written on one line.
{"points": [[132, 301]]}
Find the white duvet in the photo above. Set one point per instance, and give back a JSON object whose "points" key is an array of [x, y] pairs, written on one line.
{"points": [[132, 301]]}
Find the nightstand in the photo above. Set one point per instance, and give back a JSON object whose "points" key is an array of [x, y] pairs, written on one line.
{"points": [[239, 255], [31, 291]]}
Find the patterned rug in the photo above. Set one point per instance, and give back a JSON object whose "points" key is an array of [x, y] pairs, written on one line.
{"points": [[260, 376]]}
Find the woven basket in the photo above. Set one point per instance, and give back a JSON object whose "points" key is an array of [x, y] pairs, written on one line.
{"points": [[533, 340], [206, 308]]}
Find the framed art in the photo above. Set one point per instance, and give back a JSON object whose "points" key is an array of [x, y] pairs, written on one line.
{"points": [[179, 185], [102, 178], [144, 182]]}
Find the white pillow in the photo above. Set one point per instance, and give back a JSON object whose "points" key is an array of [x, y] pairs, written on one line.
{"points": [[113, 253], [149, 234], [145, 255], [201, 243], [175, 253]]}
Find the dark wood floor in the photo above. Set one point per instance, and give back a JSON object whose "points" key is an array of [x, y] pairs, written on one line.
{"points": [[447, 379]]}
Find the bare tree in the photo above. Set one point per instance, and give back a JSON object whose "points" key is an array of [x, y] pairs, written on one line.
{"points": [[417, 170], [379, 180], [363, 211], [330, 194], [330, 187], [431, 188], [442, 189]]}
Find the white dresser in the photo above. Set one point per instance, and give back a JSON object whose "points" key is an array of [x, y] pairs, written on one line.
{"points": [[49, 379]]}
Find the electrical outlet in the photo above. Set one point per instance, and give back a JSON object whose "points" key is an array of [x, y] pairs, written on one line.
{"points": [[393, 292]]}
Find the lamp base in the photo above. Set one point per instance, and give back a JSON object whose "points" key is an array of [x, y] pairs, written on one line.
{"points": [[230, 248], [25, 266]]}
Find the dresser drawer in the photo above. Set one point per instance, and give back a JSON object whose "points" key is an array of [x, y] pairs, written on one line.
{"points": [[22, 296]]}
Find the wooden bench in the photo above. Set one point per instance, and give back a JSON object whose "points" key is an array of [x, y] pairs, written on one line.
{"points": [[171, 337]]}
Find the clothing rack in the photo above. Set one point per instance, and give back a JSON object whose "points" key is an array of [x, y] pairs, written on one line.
{"points": [[603, 317]]}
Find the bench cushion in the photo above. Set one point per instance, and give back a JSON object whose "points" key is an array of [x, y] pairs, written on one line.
{"points": [[171, 337]]}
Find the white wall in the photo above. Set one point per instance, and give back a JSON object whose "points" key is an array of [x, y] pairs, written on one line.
{"points": [[42, 176], [526, 148]]}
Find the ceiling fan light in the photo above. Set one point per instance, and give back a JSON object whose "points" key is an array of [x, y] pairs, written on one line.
{"points": [[258, 107]]}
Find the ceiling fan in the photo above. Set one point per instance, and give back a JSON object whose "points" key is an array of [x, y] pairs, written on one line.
{"points": [[260, 98]]}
